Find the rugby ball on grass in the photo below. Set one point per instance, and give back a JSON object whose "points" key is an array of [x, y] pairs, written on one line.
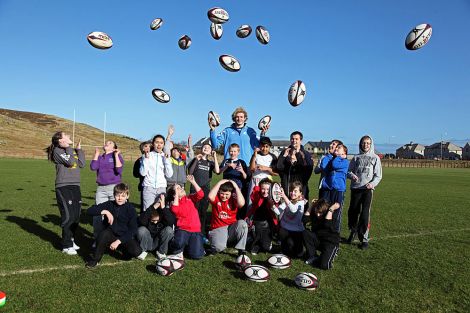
{"points": [[216, 31], [262, 34], [418, 37], [99, 40], [217, 15], [257, 273], [279, 261], [229, 63], [165, 267], [213, 118], [184, 42], [242, 261], [156, 24], [297, 92], [265, 121], [306, 281], [176, 262], [243, 31], [161, 95]]}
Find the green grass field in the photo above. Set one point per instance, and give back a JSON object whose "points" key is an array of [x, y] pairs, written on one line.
{"points": [[418, 261]]}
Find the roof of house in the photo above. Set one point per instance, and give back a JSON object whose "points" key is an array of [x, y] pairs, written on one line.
{"points": [[319, 144], [445, 145]]}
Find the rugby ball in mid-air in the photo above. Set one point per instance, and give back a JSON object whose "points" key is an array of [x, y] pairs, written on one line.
{"points": [[218, 15], [257, 273], [243, 31], [296, 93], [161, 95], [156, 24], [276, 192], [262, 34], [216, 31], [263, 122], [306, 281], [418, 37], [165, 267], [229, 63], [213, 119], [177, 262], [242, 261], [99, 40], [279, 261], [184, 42]]}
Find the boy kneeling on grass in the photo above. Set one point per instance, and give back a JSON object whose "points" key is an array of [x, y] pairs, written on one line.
{"points": [[120, 226]]}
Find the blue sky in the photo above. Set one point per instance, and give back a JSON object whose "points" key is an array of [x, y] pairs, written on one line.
{"points": [[350, 54]]}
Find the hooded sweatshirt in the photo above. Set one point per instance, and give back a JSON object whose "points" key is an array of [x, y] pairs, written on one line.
{"points": [[367, 167]]}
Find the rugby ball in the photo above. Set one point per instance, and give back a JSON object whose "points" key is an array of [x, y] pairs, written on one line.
{"points": [[184, 42], [177, 262], [265, 121], [257, 273], [99, 40], [156, 24], [262, 34], [296, 93], [3, 298], [216, 31], [279, 261], [213, 118], [161, 95], [276, 192], [229, 63], [306, 281], [418, 37], [165, 267], [217, 15], [243, 31], [242, 261]]}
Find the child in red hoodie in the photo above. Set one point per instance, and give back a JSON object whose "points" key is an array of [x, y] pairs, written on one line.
{"points": [[188, 237]]}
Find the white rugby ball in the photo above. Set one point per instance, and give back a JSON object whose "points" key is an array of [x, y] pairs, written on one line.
{"points": [[218, 15], [244, 31], [99, 40], [418, 37], [213, 118], [216, 31], [161, 95], [176, 262], [156, 24], [306, 281], [184, 42], [165, 267], [279, 261], [262, 34], [242, 261], [229, 63], [263, 122], [257, 273], [297, 92]]}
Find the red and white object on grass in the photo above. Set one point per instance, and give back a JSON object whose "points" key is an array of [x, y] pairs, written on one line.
{"points": [[229, 63], [218, 15], [262, 34], [3, 298], [216, 31], [178, 263], [418, 37], [257, 273], [297, 93], [99, 40], [279, 261], [165, 267], [242, 261], [244, 31], [306, 281]]}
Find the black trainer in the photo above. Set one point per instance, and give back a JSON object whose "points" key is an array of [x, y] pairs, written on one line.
{"points": [[364, 245], [91, 264], [255, 250], [211, 251], [311, 260]]}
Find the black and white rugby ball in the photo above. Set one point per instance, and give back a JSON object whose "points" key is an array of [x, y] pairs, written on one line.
{"points": [[257, 273], [165, 267], [262, 34], [418, 37], [177, 262], [242, 261], [229, 63], [279, 261], [216, 31], [276, 192], [99, 40], [213, 119], [217, 15], [264, 122], [184, 42], [161, 95], [156, 24], [306, 281], [244, 31], [297, 92]]}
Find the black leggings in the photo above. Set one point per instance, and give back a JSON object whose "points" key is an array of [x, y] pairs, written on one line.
{"points": [[328, 251], [69, 200], [106, 237], [291, 242], [359, 212]]}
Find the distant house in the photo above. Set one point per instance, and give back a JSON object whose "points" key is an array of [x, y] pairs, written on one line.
{"points": [[466, 152], [411, 151], [443, 150], [201, 142], [317, 147], [279, 145]]}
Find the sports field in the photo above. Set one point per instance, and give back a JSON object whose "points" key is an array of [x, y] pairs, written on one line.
{"points": [[418, 261]]}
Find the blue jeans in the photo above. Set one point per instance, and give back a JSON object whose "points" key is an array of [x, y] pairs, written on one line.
{"points": [[190, 243]]}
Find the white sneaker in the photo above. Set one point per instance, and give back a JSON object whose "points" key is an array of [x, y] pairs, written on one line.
{"points": [[142, 256], [75, 245], [69, 251], [160, 255]]}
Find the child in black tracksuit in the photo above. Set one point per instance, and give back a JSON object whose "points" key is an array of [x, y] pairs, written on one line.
{"points": [[323, 235]]}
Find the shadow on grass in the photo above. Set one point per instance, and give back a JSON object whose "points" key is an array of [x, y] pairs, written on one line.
{"points": [[151, 268], [238, 275], [32, 226], [230, 265], [287, 282], [5, 211], [84, 219]]}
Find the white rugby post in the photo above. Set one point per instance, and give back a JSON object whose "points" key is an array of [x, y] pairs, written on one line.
{"points": [[73, 129], [104, 130]]}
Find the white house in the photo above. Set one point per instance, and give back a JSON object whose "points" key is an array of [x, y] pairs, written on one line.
{"points": [[410, 151], [444, 150]]}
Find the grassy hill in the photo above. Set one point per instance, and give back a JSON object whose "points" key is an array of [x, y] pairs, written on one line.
{"points": [[26, 134]]}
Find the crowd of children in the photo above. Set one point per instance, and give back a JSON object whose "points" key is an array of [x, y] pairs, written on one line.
{"points": [[243, 213]]}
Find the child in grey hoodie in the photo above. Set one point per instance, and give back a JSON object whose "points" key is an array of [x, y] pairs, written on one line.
{"points": [[365, 172]]}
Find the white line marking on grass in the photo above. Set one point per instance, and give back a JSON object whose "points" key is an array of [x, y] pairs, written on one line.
{"points": [[430, 233]]}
